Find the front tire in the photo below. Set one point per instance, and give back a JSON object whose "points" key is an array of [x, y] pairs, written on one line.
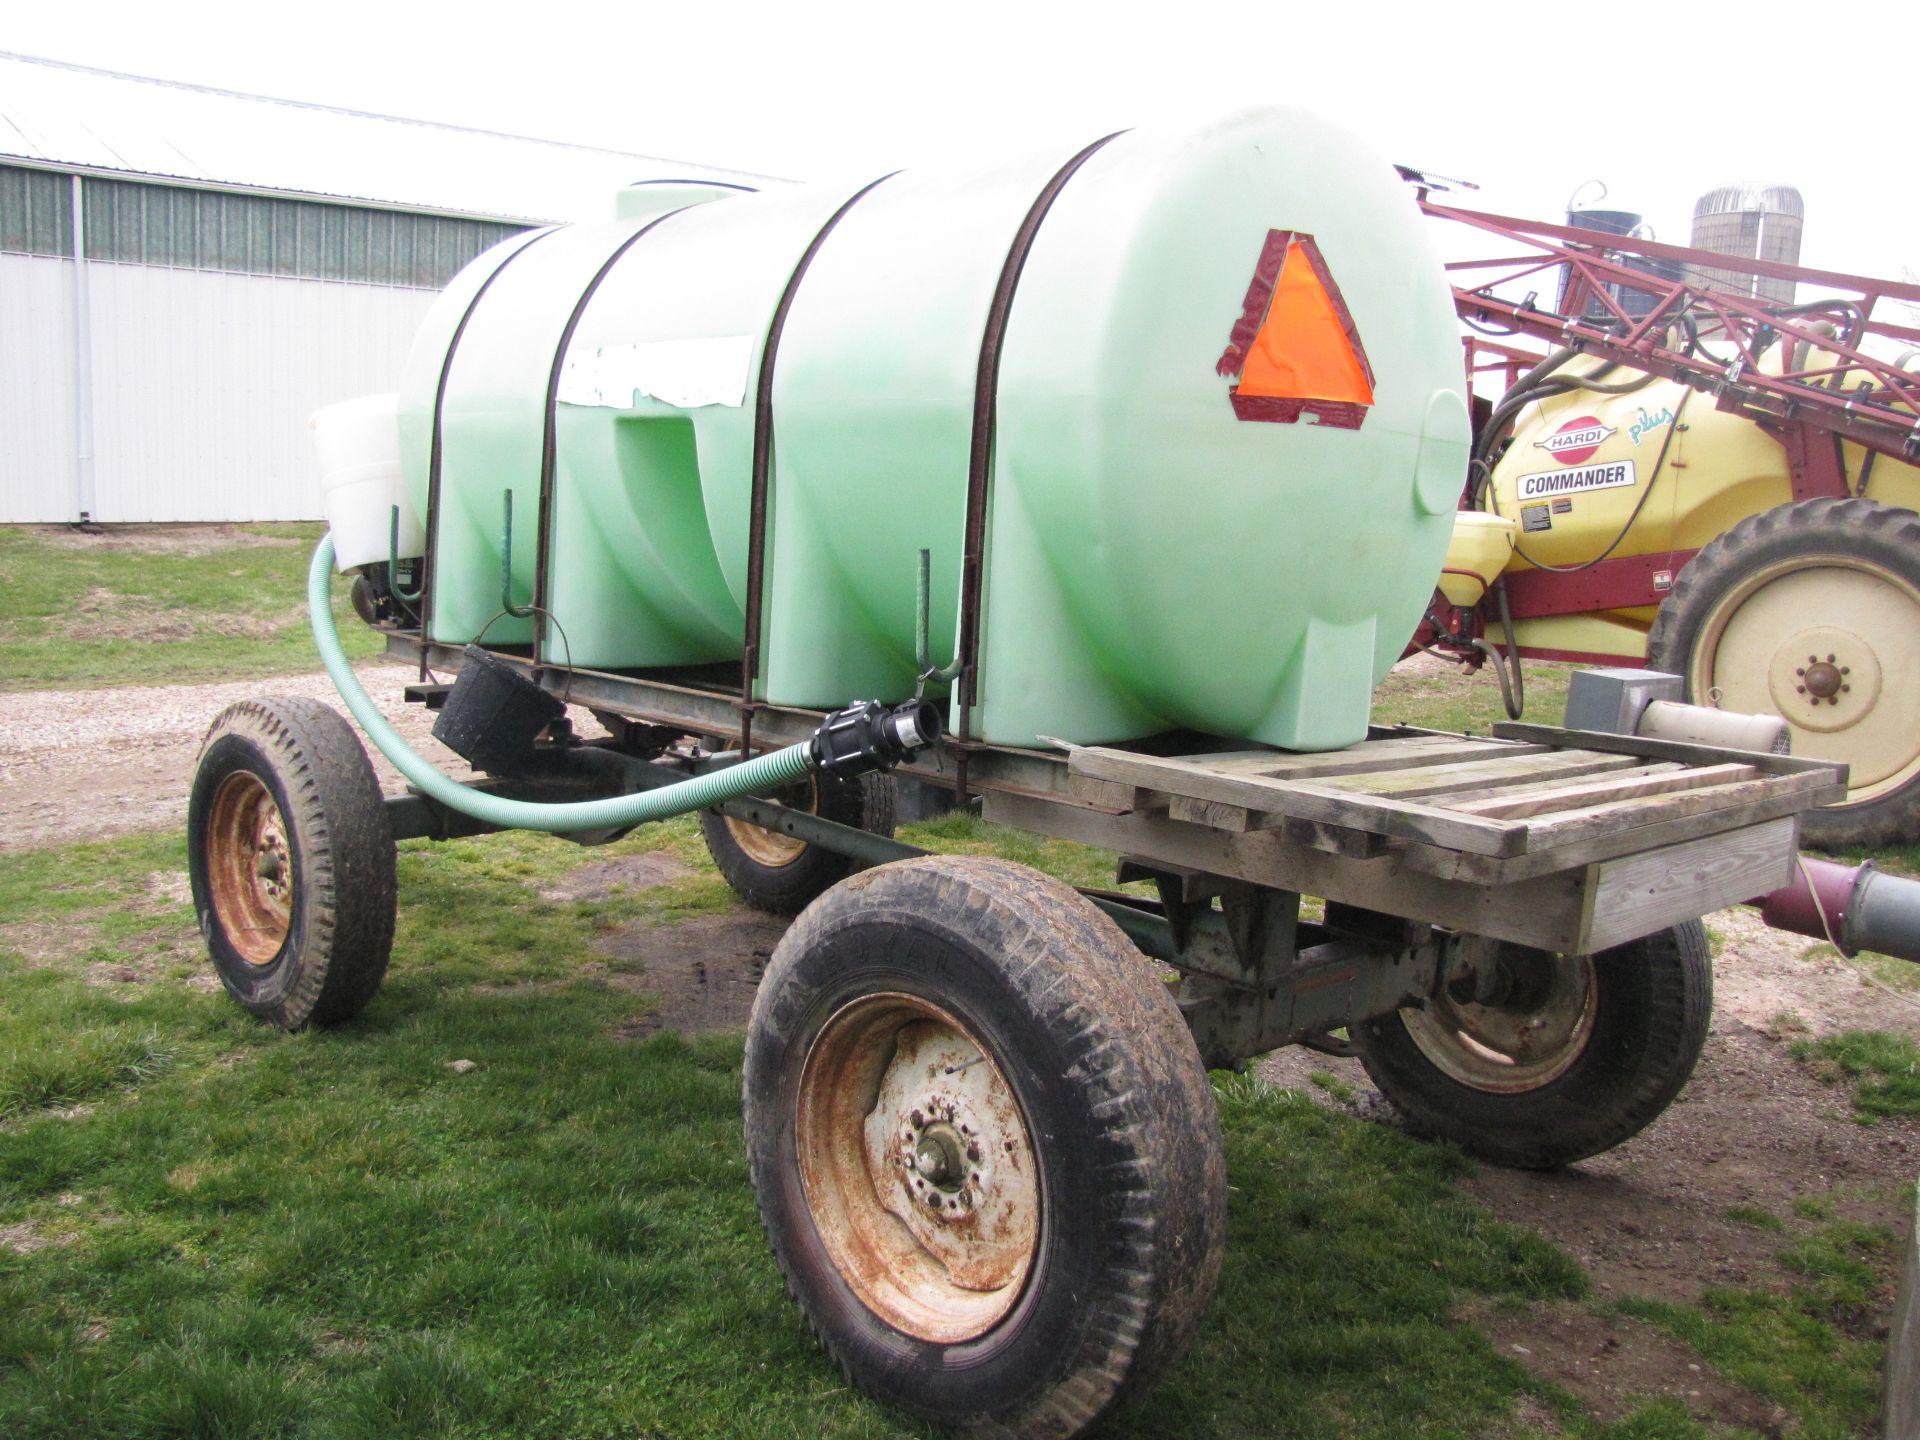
{"points": [[985, 1152], [1573, 1055], [1811, 612], [292, 862]]}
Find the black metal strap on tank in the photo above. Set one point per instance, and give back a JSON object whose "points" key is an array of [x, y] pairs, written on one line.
{"points": [[986, 386], [435, 448], [549, 444], [763, 462]]}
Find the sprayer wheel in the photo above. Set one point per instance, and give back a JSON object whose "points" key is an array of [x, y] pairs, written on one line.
{"points": [[781, 875], [292, 862], [1811, 611]]}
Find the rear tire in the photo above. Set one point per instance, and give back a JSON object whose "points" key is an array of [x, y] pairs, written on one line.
{"points": [[781, 875], [985, 1151], [1586, 1053], [292, 862]]}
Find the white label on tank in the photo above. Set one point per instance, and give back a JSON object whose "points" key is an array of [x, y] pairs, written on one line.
{"points": [[1549, 483], [683, 373]]}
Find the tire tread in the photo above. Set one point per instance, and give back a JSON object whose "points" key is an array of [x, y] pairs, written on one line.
{"points": [[1131, 1055], [1605, 1100], [343, 936]]}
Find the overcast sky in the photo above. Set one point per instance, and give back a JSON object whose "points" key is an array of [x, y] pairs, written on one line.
{"points": [[1658, 102]]}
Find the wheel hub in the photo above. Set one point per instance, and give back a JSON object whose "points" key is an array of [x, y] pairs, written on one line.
{"points": [[940, 1160], [918, 1167], [1824, 678], [1529, 1033]]}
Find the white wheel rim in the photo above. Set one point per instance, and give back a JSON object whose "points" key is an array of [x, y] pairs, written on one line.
{"points": [[1832, 645], [918, 1167]]}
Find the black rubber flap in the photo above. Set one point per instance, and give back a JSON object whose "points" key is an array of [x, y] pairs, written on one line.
{"points": [[494, 713]]}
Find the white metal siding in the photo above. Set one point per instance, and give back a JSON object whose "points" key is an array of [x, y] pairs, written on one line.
{"points": [[36, 389], [203, 382]]}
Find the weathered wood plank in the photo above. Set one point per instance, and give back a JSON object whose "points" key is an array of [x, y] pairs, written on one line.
{"points": [[1306, 800], [1108, 795], [1636, 895], [1603, 790], [1494, 770], [1482, 870], [1382, 755], [1128, 767], [1402, 819], [1457, 799], [1651, 749], [1212, 813], [1568, 827], [1335, 839], [1544, 912]]}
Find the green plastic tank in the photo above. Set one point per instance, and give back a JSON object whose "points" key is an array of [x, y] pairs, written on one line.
{"points": [[1214, 468]]}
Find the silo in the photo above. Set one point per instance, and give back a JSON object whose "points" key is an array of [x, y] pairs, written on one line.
{"points": [[1755, 222]]}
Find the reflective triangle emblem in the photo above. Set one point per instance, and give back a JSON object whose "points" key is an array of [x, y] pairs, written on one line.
{"points": [[1295, 350]]}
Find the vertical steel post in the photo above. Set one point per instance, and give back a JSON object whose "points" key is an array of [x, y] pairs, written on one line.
{"points": [[1902, 1407], [83, 486]]}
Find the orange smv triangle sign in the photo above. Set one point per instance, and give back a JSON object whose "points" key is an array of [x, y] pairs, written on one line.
{"points": [[1296, 349]]}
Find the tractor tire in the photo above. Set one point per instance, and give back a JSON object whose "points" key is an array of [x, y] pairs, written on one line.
{"points": [[781, 875], [984, 1148], [1583, 1053], [1811, 611], [291, 859]]}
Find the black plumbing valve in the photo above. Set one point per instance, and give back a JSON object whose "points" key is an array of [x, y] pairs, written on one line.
{"points": [[871, 736]]}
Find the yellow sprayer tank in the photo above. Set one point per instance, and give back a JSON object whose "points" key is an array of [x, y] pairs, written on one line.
{"points": [[1584, 464]]}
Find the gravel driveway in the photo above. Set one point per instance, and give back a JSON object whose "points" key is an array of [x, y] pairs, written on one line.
{"points": [[92, 764]]}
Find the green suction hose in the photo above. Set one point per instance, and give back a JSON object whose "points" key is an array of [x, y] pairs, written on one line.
{"points": [[769, 772]]}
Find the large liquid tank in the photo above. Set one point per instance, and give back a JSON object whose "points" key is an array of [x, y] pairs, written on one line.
{"points": [[1195, 393]]}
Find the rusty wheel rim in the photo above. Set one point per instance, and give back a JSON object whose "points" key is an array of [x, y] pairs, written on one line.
{"points": [[770, 848], [918, 1167], [250, 867], [1505, 1049]]}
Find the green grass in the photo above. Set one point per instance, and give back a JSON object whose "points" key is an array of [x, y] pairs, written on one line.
{"points": [[1812, 1350], [1452, 700], [1332, 1084], [120, 609], [334, 1235], [1753, 1215], [1884, 1068]]}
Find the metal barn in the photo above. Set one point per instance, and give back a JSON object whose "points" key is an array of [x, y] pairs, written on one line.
{"points": [[187, 273]]}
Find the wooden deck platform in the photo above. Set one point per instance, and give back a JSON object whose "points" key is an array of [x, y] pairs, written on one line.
{"points": [[1568, 840]]}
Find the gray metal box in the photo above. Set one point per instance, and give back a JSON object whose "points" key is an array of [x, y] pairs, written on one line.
{"points": [[1612, 700]]}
